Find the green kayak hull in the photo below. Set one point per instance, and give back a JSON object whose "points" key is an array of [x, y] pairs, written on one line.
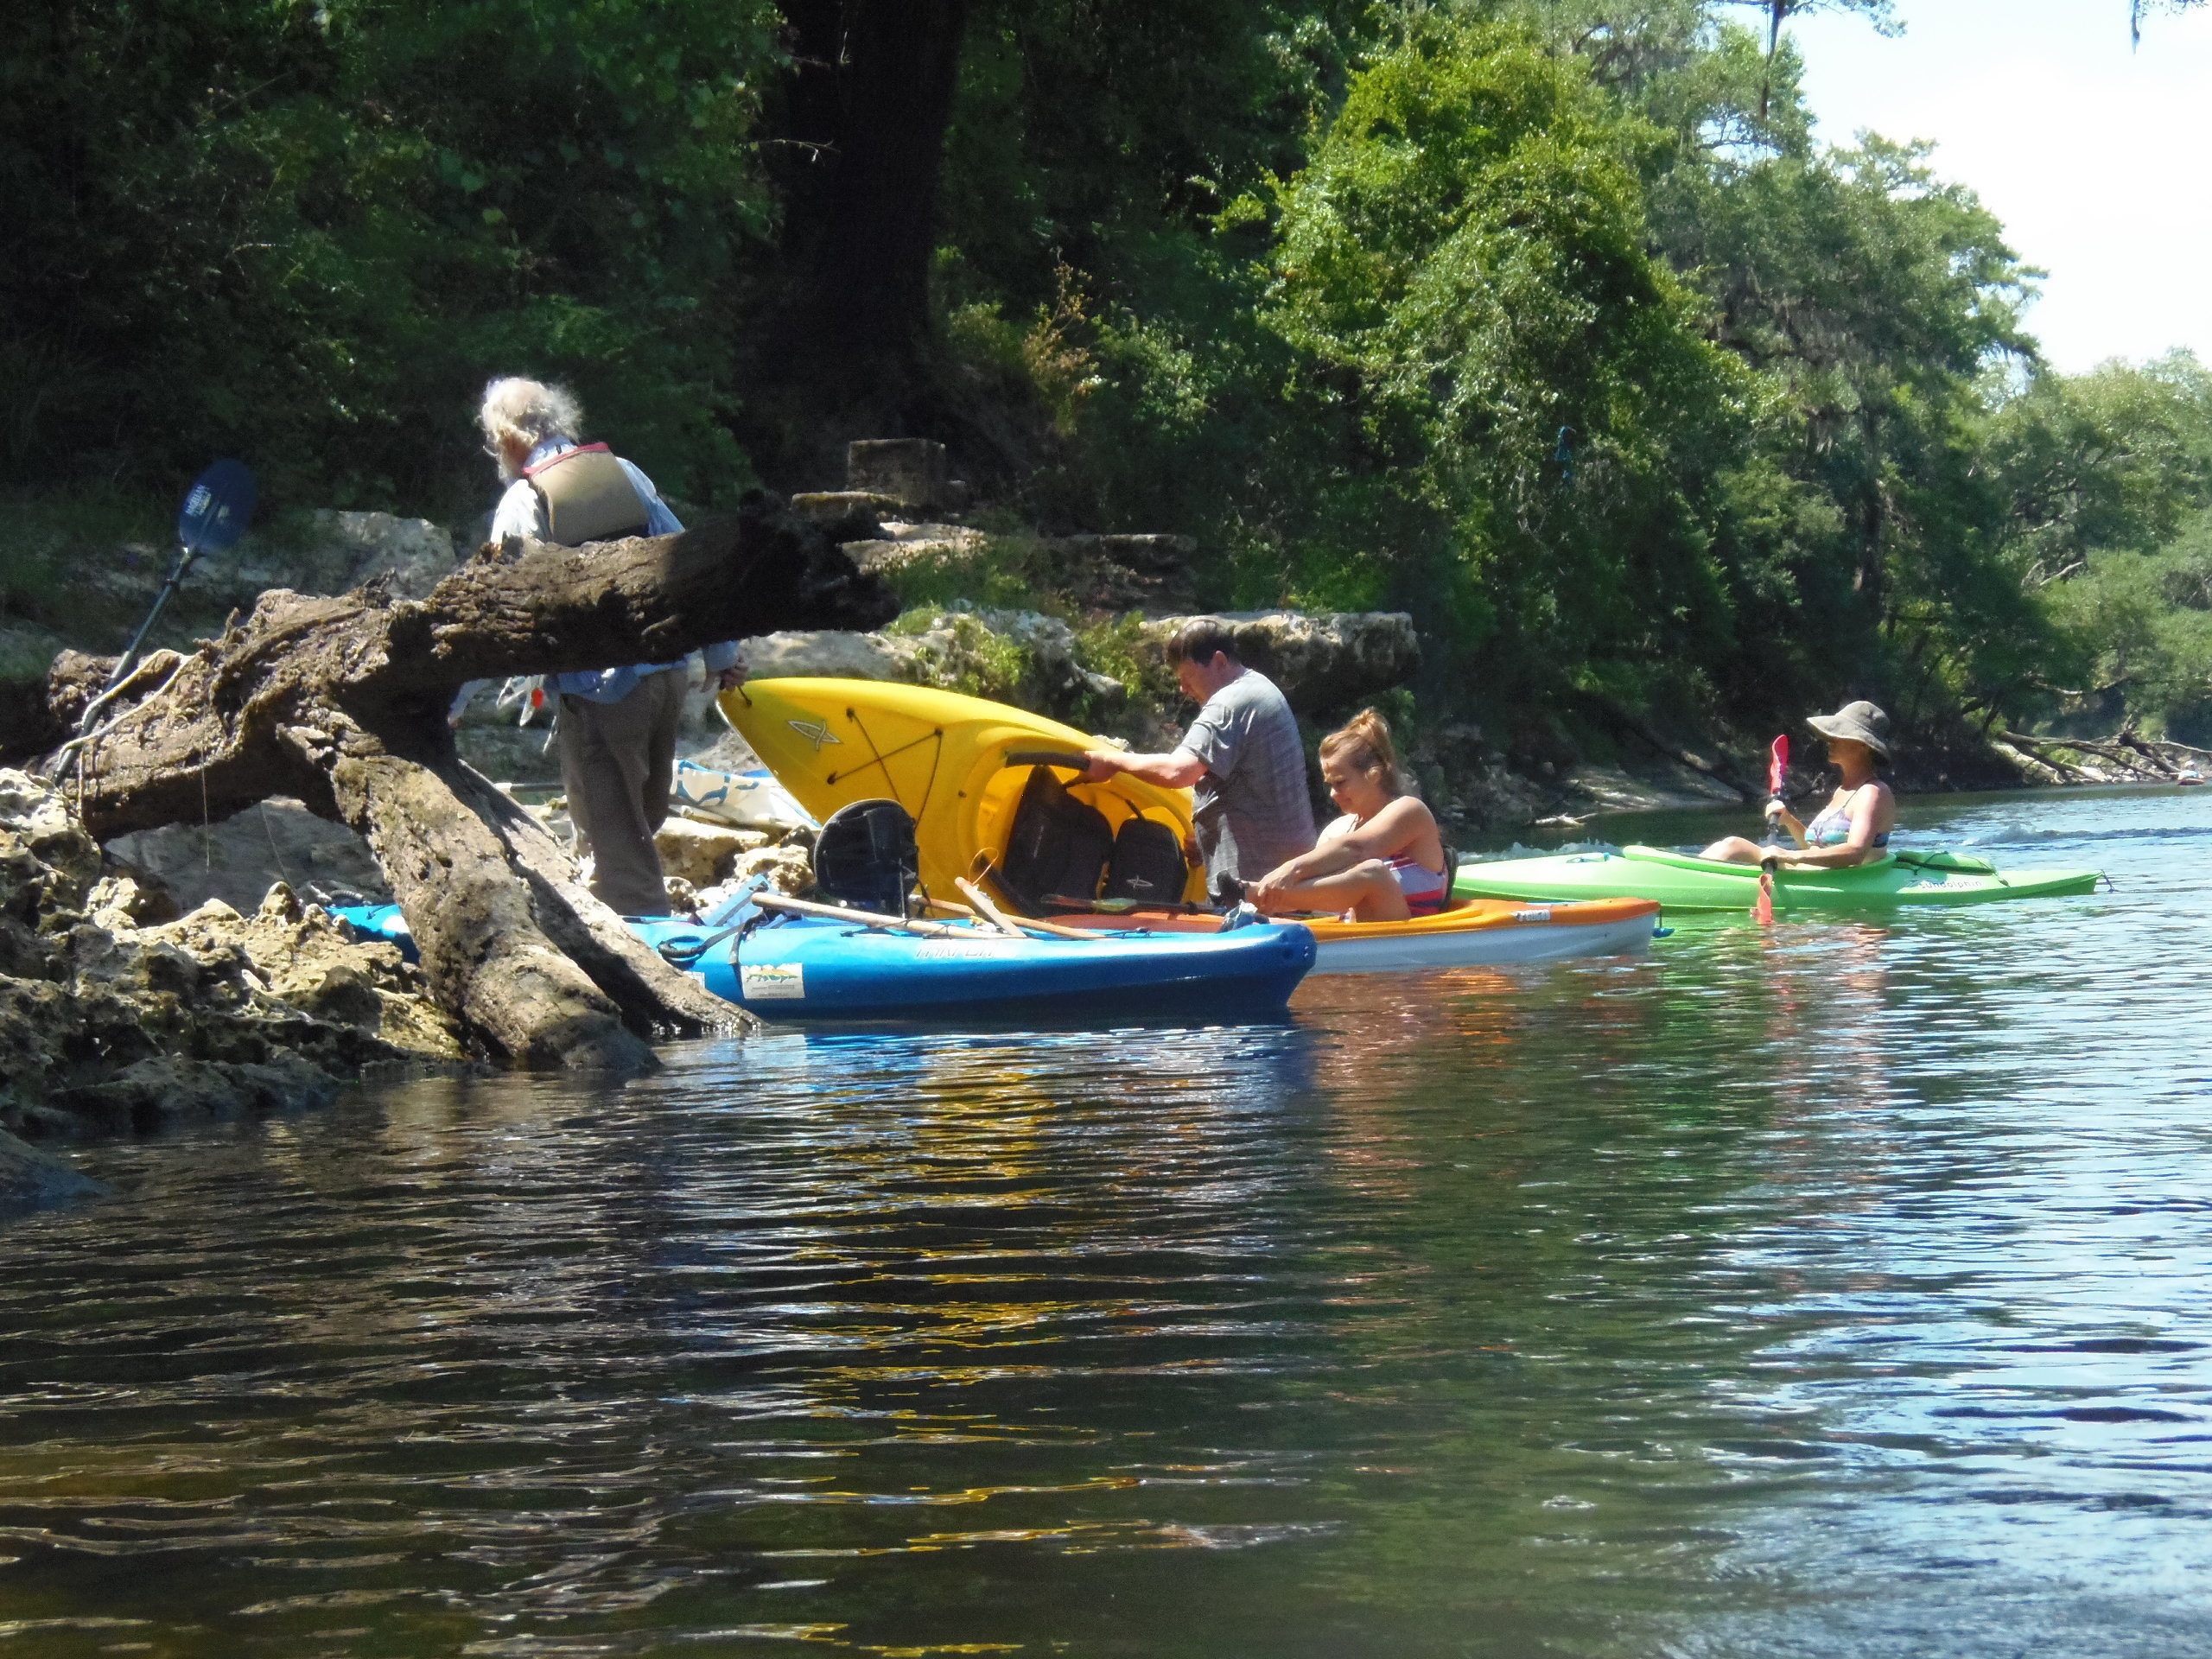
{"points": [[1680, 881]]}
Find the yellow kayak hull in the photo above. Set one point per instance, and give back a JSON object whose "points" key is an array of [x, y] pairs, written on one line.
{"points": [[939, 754]]}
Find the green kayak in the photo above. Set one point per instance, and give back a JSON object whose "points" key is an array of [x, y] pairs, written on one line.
{"points": [[1680, 881]]}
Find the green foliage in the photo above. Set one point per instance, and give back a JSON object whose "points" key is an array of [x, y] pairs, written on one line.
{"points": [[308, 232], [1115, 647], [1869, 297], [2142, 624], [1465, 265], [2107, 481], [1790, 473], [1546, 320], [1008, 571], [960, 652]]}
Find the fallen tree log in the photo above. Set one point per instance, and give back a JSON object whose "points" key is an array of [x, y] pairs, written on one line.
{"points": [[342, 702], [2123, 757]]}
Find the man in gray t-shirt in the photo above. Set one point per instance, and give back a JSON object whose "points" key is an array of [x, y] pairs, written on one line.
{"points": [[1241, 759]]}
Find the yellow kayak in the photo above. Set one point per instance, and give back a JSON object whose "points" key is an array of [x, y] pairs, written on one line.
{"points": [[943, 757], [965, 770]]}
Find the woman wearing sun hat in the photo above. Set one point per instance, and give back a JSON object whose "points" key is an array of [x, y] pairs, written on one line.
{"points": [[1854, 826]]}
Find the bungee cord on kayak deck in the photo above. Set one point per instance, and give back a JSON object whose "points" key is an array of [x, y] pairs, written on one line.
{"points": [[879, 759]]}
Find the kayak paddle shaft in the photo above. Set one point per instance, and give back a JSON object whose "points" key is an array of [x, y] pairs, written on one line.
{"points": [[1777, 765]]}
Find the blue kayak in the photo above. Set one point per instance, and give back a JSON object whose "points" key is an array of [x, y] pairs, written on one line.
{"points": [[379, 924], [786, 967]]}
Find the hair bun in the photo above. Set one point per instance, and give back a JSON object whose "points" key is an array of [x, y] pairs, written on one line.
{"points": [[1364, 740]]}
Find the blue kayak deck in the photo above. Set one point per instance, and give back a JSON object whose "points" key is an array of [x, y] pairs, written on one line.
{"points": [[812, 968]]}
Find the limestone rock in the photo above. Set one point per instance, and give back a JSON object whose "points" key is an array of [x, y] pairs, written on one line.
{"points": [[127, 898], [412, 556], [1019, 657], [31, 1179], [788, 868], [38, 818], [162, 1092], [827, 653], [109, 1024], [1322, 662], [701, 854], [236, 860], [842, 506], [902, 546], [911, 470]]}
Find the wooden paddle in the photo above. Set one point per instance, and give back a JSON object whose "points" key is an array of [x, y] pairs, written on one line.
{"points": [[1125, 906], [1777, 764], [991, 912], [868, 918]]}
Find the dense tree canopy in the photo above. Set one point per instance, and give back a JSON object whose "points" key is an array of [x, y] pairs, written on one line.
{"points": [[1550, 319]]}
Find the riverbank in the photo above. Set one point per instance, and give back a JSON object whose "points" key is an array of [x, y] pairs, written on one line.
{"points": [[1072, 626]]}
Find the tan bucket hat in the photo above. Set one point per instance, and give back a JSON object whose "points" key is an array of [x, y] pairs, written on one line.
{"points": [[1861, 721]]}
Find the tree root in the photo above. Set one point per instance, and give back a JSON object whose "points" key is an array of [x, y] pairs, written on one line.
{"points": [[341, 703]]}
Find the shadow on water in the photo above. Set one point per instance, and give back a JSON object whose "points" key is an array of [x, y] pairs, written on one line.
{"points": [[1830, 1288]]}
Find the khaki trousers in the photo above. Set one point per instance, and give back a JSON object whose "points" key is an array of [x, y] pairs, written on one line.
{"points": [[618, 762]]}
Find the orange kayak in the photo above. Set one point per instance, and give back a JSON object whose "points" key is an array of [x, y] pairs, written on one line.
{"points": [[1483, 933]]}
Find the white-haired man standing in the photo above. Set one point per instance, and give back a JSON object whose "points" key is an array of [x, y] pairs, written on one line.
{"points": [[618, 725]]}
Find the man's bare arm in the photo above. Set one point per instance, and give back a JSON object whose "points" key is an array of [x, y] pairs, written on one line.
{"points": [[1177, 770]]}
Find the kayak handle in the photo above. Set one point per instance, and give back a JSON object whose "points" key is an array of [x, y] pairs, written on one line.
{"points": [[1064, 760]]}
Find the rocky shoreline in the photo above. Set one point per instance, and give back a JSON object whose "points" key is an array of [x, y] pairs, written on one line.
{"points": [[119, 1016]]}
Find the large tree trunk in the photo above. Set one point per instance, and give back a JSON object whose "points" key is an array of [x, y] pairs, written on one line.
{"points": [[342, 702], [870, 98]]}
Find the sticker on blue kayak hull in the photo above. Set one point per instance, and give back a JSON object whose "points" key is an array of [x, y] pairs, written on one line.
{"points": [[954, 950], [772, 982]]}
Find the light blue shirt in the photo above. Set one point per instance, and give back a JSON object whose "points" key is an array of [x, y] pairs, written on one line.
{"points": [[521, 512]]}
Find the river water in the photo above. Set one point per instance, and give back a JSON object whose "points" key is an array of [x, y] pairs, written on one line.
{"points": [[1838, 1289]]}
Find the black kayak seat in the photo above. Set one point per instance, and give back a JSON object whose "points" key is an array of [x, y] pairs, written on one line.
{"points": [[1058, 845], [866, 856], [1146, 864]]}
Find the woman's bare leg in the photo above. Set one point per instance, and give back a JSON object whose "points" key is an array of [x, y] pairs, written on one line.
{"points": [[1734, 849], [1367, 890]]}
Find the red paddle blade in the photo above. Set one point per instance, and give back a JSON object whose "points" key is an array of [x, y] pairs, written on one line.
{"points": [[1777, 765], [1763, 912]]}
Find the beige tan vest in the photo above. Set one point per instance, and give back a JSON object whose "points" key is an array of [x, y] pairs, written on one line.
{"points": [[587, 497]]}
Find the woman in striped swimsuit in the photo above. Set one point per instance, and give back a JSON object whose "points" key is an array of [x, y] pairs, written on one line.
{"points": [[1383, 860]]}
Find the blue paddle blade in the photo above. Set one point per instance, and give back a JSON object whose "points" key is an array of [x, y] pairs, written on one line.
{"points": [[217, 508]]}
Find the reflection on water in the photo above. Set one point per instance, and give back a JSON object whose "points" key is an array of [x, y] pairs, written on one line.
{"points": [[1833, 1288]]}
